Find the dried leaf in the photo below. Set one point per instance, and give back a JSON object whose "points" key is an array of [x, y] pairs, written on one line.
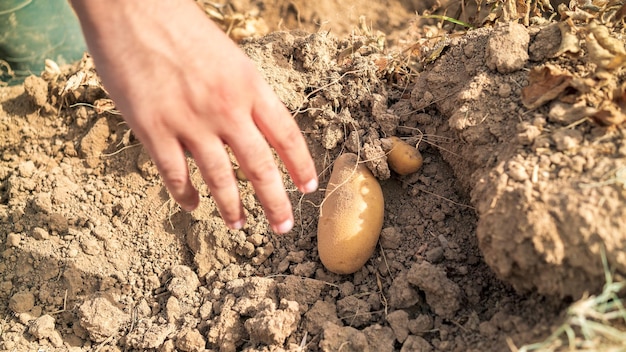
{"points": [[104, 105], [603, 37], [605, 51], [569, 41], [545, 84], [621, 13], [597, 54], [577, 14], [611, 112]]}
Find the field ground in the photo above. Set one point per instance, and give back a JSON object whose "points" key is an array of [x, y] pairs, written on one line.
{"points": [[521, 191]]}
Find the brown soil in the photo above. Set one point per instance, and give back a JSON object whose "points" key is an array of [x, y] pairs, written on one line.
{"points": [[502, 226]]}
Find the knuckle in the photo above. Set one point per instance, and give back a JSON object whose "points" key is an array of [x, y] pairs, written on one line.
{"points": [[290, 140], [262, 172], [278, 209], [219, 177], [229, 213], [175, 180]]}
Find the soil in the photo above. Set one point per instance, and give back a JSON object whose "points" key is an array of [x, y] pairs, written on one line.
{"points": [[521, 191]]}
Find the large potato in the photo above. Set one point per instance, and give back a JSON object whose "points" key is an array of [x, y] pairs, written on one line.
{"points": [[351, 216]]}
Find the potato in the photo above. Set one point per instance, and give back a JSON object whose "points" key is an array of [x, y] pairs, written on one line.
{"points": [[351, 216], [403, 158]]}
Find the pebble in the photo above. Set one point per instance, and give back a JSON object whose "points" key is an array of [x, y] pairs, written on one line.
{"points": [[517, 171], [422, 324], [390, 238], [90, 246], [416, 343], [399, 321], [567, 139], [27, 169], [190, 340], [22, 302], [13, 239], [40, 234], [43, 328]]}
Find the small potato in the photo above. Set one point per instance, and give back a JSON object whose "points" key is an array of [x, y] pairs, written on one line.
{"points": [[403, 158], [351, 216]]}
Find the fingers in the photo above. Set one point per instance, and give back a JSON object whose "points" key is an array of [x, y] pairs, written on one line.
{"points": [[169, 157], [217, 171], [283, 133], [257, 162]]}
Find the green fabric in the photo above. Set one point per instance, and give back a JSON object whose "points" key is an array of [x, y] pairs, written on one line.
{"points": [[34, 30]]}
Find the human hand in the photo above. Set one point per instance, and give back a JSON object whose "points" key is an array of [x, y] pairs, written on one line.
{"points": [[183, 85]]}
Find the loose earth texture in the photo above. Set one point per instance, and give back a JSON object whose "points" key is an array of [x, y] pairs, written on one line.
{"points": [[521, 189]]}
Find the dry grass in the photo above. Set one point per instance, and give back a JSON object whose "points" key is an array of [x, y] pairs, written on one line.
{"points": [[594, 323]]}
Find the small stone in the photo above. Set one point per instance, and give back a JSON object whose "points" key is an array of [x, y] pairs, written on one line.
{"points": [[527, 133], [43, 328], [567, 113], [346, 289], [263, 253], [401, 294], [416, 343], [345, 339], [434, 255], [507, 48], [355, 310], [101, 318], [40, 234], [273, 326], [27, 169], [206, 310], [172, 310], [517, 171], [72, 252], [421, 324], [305, 269], [504, 90], [567, 139], [399, 322], [487, 329], [5, 288], [101, 232], [380, 338], [58, 222], [390, 238], [22, 302], [190, 340], [256, 239], [94, 143], [442, 294], [318, 315], [13, 239], [229, 273], [184, 282], [37, 90], [90, 246]]}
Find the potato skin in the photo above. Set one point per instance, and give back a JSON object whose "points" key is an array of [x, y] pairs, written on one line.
{"points": [[351, 216], [403, 158]]}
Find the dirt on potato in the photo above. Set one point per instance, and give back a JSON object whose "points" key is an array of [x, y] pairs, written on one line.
{"points": [[522, 187]]}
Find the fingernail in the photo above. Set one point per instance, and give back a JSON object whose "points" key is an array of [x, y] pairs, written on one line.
{"points": [[284, 227], [188, 208], [310, 186], [191, 204], [237, 225]]}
